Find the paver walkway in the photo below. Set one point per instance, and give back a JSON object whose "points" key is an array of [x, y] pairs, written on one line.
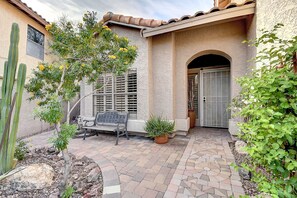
{"points": [[193, 166]]}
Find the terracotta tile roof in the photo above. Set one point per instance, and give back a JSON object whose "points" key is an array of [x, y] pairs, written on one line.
{"points": [[110, 17], [129, 20], [28, 11]]}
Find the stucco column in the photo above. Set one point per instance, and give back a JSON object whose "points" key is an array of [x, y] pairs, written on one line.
{"points": [[86, 105], [163, 72]]}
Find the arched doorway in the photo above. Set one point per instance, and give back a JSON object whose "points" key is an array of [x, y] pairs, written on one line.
{"points": [[209, 90]]}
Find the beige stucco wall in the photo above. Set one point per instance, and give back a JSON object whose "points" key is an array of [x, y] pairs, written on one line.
{"points": [[271, 12], [9, 14], [163, 72]]}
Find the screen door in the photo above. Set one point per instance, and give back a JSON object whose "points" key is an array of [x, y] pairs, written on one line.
{"points": [[215, 97]]}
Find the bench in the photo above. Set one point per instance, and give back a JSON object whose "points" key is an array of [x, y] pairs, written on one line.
{"points": [[108, 121]]}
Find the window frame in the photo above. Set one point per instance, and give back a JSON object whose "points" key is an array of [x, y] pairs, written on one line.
{"points": [[36, 45]]}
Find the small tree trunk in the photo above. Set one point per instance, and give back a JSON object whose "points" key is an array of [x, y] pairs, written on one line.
{"points": [[67, 168], [67, 164], [68, 112]]}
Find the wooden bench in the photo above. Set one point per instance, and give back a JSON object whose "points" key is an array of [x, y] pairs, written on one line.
{"points": [[108, 121]]}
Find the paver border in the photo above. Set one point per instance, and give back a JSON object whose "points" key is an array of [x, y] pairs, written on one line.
{"points": [[111, 181]]}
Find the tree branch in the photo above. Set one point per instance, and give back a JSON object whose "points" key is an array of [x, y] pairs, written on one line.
{"points": [[77, 102]]}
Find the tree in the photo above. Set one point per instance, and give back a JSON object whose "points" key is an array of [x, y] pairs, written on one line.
{"points": [[268, 104], [82, 52]]}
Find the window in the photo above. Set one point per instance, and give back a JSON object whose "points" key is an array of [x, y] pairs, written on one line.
{"points": [[35, 43], [119, 94]]}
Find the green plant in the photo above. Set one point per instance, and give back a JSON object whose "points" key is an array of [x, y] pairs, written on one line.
{"points": [[68, 192], [268, 104], [158, 126], [10, 102], [21, 150], [67, 132]]}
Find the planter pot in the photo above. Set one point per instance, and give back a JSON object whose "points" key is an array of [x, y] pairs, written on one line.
{"points": [[161, 139], [192, 115]]}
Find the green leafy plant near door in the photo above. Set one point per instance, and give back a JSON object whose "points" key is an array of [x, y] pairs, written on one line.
{"points": [[268, 104]]}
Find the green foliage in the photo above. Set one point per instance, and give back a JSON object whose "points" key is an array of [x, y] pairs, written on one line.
{"points": [[84, 50], [51, 111], [67, 132], [68, 192], [268, 104], [11, 103], [158, 126], [21, 150]]}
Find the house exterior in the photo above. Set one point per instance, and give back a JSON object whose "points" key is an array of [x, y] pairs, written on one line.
{"points": [[32, 50], [195, 58]]}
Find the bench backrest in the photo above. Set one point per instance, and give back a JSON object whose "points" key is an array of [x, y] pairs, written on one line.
{"points": [[112, 117]]}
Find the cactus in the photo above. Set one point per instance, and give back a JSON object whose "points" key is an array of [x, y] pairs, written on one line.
{"points": [[10, 102]]}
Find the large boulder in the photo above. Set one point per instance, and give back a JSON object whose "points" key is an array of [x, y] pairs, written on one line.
{"points": [[31, 177]]}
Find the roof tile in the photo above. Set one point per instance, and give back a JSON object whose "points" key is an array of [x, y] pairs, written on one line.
{"points": [[151, 23]]}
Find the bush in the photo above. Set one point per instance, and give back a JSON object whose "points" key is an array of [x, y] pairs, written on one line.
{"points": [[268, 104], [20, 150], [158, 126]]}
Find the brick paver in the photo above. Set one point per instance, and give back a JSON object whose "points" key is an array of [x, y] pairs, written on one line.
{"points": [[204, 169], [193, 166]]}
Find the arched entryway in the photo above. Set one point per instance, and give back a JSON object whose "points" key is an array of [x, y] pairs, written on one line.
{"points": [[209, 89]]}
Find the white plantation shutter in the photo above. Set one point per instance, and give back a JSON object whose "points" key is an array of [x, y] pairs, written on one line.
{"points": [[132, 92], [120, 94]]}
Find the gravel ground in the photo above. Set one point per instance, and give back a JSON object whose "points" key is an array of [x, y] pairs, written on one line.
{"points": [[250, 187], [85, 176]]}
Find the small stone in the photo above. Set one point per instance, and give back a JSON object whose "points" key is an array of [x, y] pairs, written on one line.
{"points": [[90, 166], [78, 163], [51, 150], [75, 176], [239, 147], [93, 175], [244, 173]]}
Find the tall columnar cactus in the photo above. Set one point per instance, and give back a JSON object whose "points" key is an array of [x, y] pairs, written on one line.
{"points": [[11, 103]]}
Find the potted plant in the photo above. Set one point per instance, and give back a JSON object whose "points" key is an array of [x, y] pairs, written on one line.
{"points": [[159, 128]]}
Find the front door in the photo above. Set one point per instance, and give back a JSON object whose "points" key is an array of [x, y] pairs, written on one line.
{"points": [[214, 97]]}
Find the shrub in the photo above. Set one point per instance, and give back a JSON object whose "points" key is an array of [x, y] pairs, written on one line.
{"points": [[68, 192], [158, 126], [20, 150], [268, 104]]}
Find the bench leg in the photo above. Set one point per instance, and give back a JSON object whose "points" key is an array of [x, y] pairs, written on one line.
{"points": [[85, 134], [118, 134], [127, 136]]}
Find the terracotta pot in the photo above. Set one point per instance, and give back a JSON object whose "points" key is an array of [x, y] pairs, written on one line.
{"points": [[163, 139], [192, 115]]}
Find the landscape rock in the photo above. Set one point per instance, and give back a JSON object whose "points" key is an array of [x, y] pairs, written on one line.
{"points": [[93, 175], [239, 145], [244, 173], [31, 177]]}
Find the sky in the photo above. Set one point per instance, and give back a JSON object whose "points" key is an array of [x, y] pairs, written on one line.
{"points": [[52, 10]]}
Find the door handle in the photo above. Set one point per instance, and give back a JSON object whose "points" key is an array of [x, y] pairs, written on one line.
{"points": [[204, 98]]}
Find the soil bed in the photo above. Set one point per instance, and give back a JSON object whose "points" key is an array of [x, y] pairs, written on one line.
{"points": [[85, 176], [250, 188]]}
